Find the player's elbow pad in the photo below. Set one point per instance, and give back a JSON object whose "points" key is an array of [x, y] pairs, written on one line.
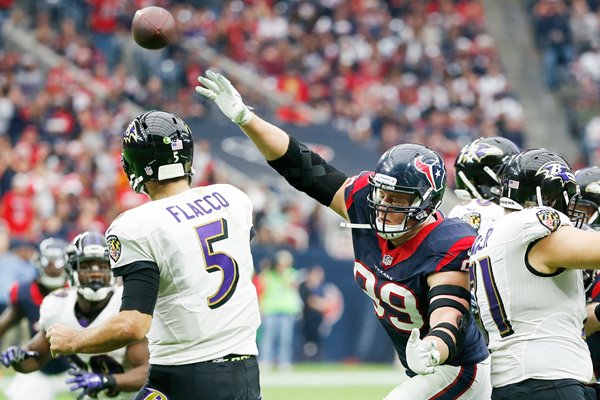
{"points": [[308, 172]]}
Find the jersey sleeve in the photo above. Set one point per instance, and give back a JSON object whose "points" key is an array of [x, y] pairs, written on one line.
{"points": [[49, 308], [355, 194], [124, 247], [539, 222], [595, 290], [453, 247], [14, 294]]}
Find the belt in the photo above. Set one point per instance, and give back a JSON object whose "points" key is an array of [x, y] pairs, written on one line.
{"points": [[231, 358]]}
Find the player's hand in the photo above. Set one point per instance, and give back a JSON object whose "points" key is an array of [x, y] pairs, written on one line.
{"points": [[62, 340], [217, 88], [15, 355], [421, 355], [91, 383]]}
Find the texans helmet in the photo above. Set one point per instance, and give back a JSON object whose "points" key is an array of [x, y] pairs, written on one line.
{"points": [[88, 266], [157, 146], [588, 180], [50, 263], [410, 169], [539, 177], [477, 167]]}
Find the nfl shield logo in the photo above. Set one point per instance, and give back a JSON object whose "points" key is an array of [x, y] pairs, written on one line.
{"points": [[387, 260]]}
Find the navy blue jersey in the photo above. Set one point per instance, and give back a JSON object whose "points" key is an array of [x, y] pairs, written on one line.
{"points": [[396, 278], [27, 298]]}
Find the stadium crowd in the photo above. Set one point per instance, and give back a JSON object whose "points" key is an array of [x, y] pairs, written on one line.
{"points": [[567, 34], [384, 72]]}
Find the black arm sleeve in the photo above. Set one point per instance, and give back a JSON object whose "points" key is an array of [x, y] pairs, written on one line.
{"points": [[308, 172], [140, 286]]}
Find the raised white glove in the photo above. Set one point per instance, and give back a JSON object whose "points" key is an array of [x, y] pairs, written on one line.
{"points": [[422, 356], [221, 91]]}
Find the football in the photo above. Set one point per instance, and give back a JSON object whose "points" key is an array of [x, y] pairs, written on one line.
{"points": [[153, 27]]}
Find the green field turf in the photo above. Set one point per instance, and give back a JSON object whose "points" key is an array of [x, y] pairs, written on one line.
{"points": [[313, 382]]}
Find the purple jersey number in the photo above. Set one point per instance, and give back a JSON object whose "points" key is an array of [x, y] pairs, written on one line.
{"points": [[491, 291], [216, 261]]}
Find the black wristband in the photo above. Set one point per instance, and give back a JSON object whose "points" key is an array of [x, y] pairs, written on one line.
{"points": [[597, 311], [447, 339], [110, 383]]}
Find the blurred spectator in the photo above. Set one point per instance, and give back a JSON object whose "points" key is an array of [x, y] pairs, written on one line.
{"points": [[279, 306], [14, 265], [315, 304], [553, 36]]}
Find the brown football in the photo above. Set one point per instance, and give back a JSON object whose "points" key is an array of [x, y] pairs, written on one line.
{"points": [[153, 27]]}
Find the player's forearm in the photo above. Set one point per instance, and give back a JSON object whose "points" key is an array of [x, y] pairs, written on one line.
{"points": [[270, 140], [132, 380], [440, 346], [29, 365], [8, 319], [120, 330], [592, 324]]}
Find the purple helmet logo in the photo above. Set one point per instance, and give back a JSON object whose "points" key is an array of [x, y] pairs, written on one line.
{"points": [[477, 151], [433, 170], [556, 170]]}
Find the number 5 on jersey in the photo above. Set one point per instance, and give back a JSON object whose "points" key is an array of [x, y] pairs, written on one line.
{"points": [[216, 261]]}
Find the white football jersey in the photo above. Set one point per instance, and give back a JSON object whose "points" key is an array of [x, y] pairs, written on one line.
{"points": [[207, 305], [534, 321], [59, 307], [477, 213]]}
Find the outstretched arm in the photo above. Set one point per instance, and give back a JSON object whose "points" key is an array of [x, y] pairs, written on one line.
{"points": [[9, 318], [302, 168]]}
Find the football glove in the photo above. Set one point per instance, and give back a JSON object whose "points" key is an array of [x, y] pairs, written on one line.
{"points": [[422, 356], [217, 88], [15, 355], [90, 382]]}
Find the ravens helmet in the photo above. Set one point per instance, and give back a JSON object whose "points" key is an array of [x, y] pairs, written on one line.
{"points": [[88, 266], [477, 167], [588, 180], [50, 263], [409, 169], [539, 177], [157, 146]]}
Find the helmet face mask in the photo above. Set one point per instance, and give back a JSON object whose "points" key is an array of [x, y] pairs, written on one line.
{"points": [[538, 178], [50, 263], [89, 267], [478, 166], [157, 146], [407, 187], [588, 180]]}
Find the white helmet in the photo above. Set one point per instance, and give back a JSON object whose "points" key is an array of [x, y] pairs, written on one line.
{"points": [[51, 254]]}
